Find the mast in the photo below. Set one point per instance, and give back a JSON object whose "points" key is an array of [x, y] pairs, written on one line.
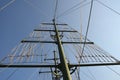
{"points": [[63, 64], [61, 68]]}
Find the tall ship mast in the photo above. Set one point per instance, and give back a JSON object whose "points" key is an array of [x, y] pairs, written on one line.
{"points": [[57, 51]]}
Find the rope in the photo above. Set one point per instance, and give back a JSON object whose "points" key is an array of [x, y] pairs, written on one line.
{"points": [[9, 63], [56, 7], [108, 7], [32, 75], [91, 74], [5, 6], [78, 73], [113, 70], [1, 71], [36, 8], [87, 76], [11, 74], [87, 28], [74, 8]]}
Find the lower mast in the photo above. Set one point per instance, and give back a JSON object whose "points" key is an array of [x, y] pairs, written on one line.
{"points": [[63, 66]]}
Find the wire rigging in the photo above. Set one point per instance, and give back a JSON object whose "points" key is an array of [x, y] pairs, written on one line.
{"points": [[11, 74], [87, 75], [78, 73], [87, 28], [8, 4], [108, 7], [56, 7], [6, 67], [113, 70], [68, 10], [36, 8], [91, 74], [31, 76]]}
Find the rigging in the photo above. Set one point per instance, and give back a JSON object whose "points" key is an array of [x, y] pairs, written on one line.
{"points": [[6, 5], [27, 51], [87, 26], [113, 10]]}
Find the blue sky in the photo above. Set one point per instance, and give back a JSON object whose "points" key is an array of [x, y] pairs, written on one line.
{"points": [[22, 16]]}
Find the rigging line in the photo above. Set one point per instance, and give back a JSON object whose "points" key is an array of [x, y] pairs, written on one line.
{"points": [[91, 73], [32, 52], [36, 8], [81, 26], [23, 52], [29, 52], [11, 62], [103, 52], [87, 75], [77, 48], [70, 11], [102, 56], [5, 6], [108, 7], [13, 52], [11, 74], [97, 57], [69, 26], [56, 7], [78, 73], [33, 74], [72, 8], [113, 70], [6, 67], [87, 28]]}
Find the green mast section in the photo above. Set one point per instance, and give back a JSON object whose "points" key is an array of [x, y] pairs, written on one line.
{"points": [[63, 63]]}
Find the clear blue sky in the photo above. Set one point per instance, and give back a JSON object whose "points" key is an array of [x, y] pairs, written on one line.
{"points": [[22, 16]]}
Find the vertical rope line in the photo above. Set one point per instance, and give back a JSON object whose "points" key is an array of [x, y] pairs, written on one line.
{"points": [[87, 28], [81, 26], [56, 6]]}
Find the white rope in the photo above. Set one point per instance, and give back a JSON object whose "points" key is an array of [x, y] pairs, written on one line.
{"points": [[35, 7], [8, 4]]}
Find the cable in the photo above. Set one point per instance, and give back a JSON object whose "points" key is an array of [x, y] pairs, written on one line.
{"points": [[74, 8], [108, 7], [113, 70], [87, 28], [56, 6], [87, 75], [36, 8], [78, 73], [91, 74], [33, 74], [11, 74], [5, 6], [7, 65], [71, 8]]}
